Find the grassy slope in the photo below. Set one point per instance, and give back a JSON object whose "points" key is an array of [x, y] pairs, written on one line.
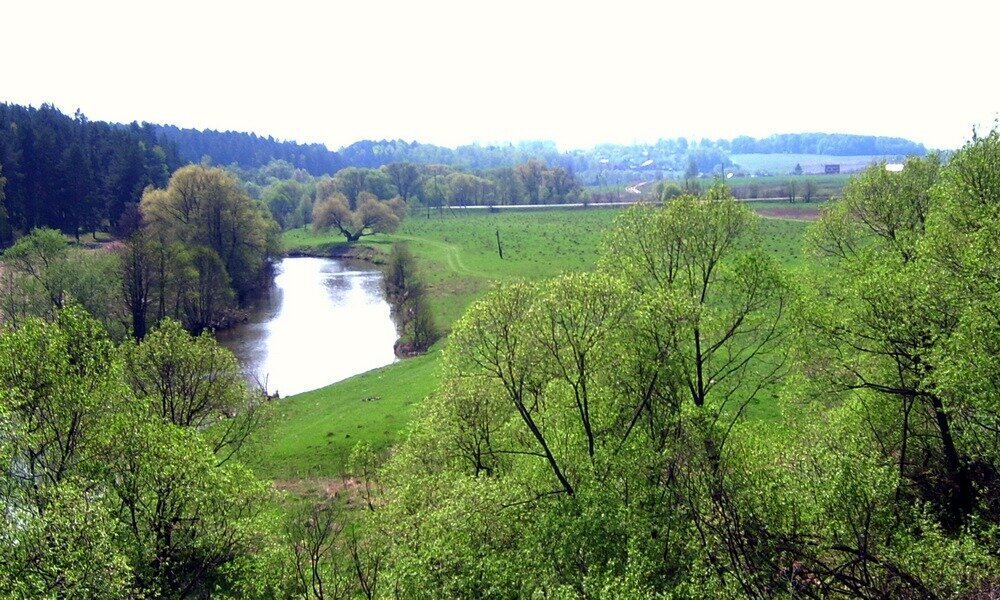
{"points": [[314, 432]]}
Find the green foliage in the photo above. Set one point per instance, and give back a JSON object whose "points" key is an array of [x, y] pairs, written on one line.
{"points": [[104, 496], [595, 420], [408, 297], [6, 230], [192, 382], [561, 399], [370, 217], [72, 174], [283, 198], [204, 208], [42, 274]]}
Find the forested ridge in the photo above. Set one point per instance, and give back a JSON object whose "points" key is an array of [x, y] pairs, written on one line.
{"points": [[74, 174], [248, 150]]}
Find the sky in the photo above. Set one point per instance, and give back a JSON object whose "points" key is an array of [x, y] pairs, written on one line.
{"points": [[578, 73]]}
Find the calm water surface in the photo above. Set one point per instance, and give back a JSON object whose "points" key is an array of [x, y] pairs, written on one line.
{"points": [[324, 320]]}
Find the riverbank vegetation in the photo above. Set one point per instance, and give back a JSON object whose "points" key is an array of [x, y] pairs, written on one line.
{"points": [[117, 472], [194, 251], [405, 291]]}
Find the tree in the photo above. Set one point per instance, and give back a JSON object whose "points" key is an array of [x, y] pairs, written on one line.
{"points": [[282, 198], [191, 381], [509, 189], [531, 176], [491, 340], [372, 216], [138, 275], [808, 190], [205, 208], [111, 496], [320, 570], [691, 175], [209, 295], [435, 190], [797, 170], [669, 191], [41, 258], [792, 186], [464, 189], [890, 305], [59, 395], [570, 400], [408, 298], [351, 182], [6, 231], [561, 185], [43, 274], [406, 179], [729, 301]]}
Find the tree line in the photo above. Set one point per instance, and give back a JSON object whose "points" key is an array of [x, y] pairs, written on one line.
{"points": [[361, 201], [194, 251], [74, 174], [837, 144], [249, 150]]}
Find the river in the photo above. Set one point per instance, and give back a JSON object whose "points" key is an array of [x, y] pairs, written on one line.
{"points": [[324, 320]]}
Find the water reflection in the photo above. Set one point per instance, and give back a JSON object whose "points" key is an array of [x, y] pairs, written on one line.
{"points": [[324, 320]]}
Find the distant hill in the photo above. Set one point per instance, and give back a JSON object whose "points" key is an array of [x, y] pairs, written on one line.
{"points": [[601, 165], [835, 144], [71, 173]]}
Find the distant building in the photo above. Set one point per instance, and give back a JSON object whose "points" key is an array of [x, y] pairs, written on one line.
{"points": [[831, 169]]}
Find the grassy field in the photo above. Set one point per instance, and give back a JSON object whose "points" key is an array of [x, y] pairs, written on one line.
{"points": [[825, 187], [313, 433], [783, 164]]}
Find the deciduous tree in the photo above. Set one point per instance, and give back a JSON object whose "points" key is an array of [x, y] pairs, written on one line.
{"points": [[372, 215]]}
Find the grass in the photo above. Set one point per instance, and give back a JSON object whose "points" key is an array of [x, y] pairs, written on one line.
{"points": [[313, 433], [825, 187], [783, 164]]}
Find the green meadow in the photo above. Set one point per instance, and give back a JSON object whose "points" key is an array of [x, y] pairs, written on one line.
{"points": [[313, 433], [784, 164]]}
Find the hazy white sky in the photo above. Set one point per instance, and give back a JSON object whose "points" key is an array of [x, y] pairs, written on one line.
{"points": [[449, 73]]}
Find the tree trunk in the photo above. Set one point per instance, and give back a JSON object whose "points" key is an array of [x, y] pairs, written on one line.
{"points": [[959, 498]]}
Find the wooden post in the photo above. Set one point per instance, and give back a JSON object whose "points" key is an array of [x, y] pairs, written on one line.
{"points": [[499, 247]]}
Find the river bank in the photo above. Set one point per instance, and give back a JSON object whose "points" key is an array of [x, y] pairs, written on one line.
{"points": [[338, 250]]}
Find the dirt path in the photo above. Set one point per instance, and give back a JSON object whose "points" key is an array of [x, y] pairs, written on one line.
{"points": [[452, 253], [324, 487], [790, 214], [634, 189]]}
